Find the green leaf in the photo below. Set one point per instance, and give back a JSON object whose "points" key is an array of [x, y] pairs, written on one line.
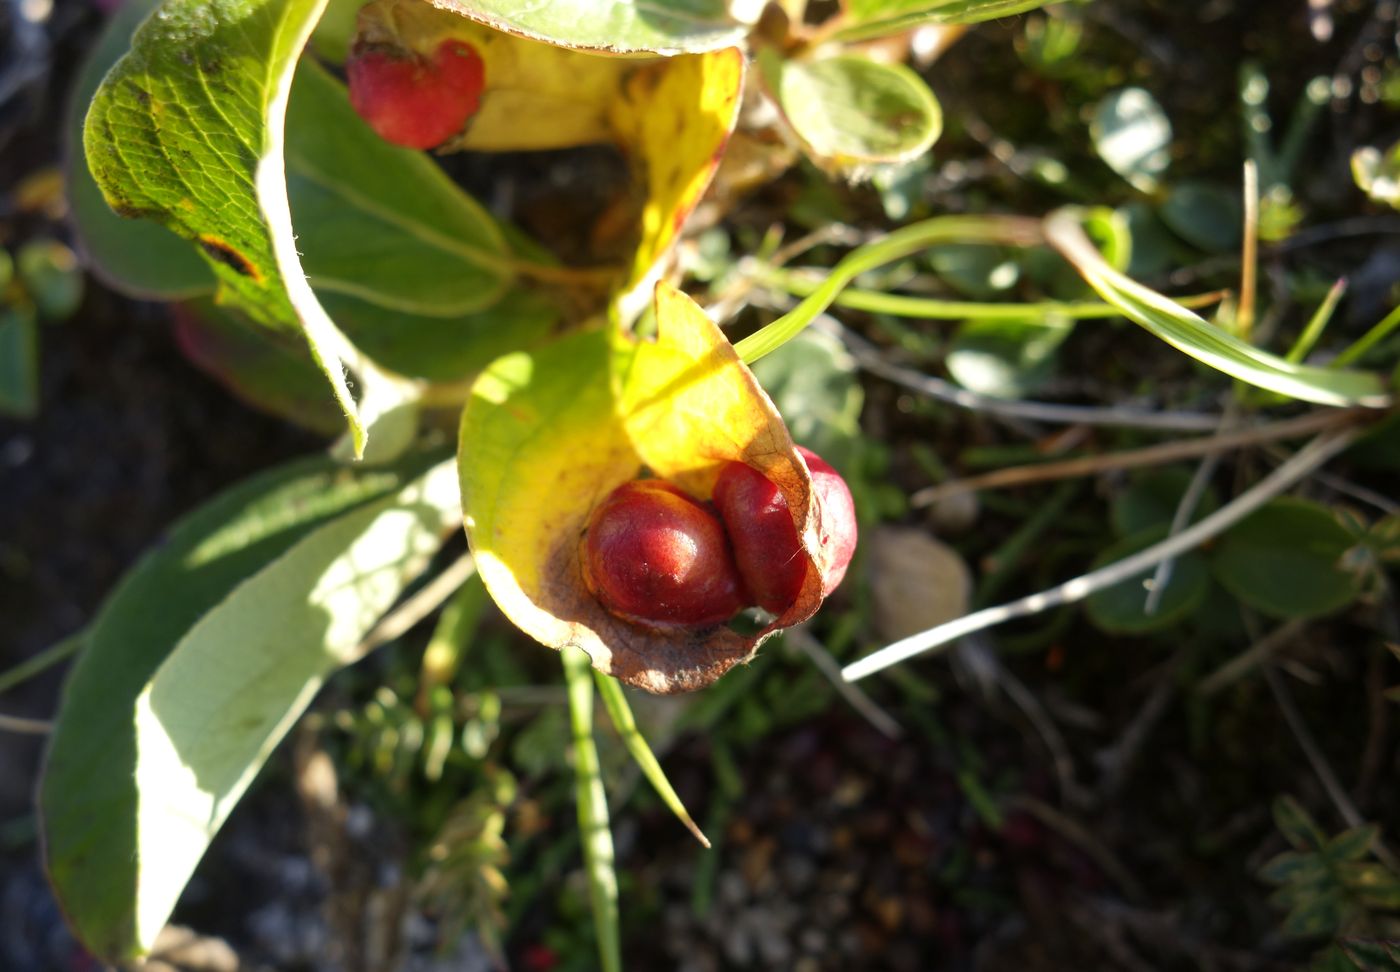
{"points": [[1121, 609], [1285, 560], [1006, 358], [1383, 539], [136, 256], [1189, 333], [187, 129], [594, 832], [1297, 825], [1374, 884], [1353, 844], [444, 348], [851, 112], [617, 26], [984, 272], [381, 223], [865, 19], [615, 701], [1293, 867], [1133, 135], [1152, 498], [88, 797], [1207, 216], [51, 277], [1369, 955], [266, 369], [238, 680], [19, 361], [1320, 915], [1377, 174]]}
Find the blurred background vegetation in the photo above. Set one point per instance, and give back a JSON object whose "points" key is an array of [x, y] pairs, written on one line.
{"points": [[1196, 772]]}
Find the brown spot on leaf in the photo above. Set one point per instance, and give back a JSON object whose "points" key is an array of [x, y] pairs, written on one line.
{"points": [[221, 252]]}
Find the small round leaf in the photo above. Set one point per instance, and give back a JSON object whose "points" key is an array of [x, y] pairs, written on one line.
{"points": [[1286, 561], [1122, 609]]}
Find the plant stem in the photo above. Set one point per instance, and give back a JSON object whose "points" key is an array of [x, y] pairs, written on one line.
{"points": [[801, 284], [41, 662], [1249, 255], [944, 391], [991, 230], [1315, 454], [1309, 424], [419, 606], [1369, 340], [593, 828]]}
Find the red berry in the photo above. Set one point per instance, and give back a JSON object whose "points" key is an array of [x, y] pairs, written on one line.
{"points": [[766, 546], [652, 554], [414, 102]]}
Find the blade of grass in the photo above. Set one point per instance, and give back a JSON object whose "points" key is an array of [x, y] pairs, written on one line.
{"points": [[1317, 323], [1249, 253], [1007, 230], [592, 810], [615, 701], [1358, 348], [800, 283], [443, 656], [1210, 345], [41, 662]]}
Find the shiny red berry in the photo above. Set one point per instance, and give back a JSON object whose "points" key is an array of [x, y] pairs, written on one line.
{"points": [[414, 101], [655, 555], [766, 546]]}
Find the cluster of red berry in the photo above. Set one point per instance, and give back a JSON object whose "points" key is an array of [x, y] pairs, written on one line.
{"points": [[655, 555]]}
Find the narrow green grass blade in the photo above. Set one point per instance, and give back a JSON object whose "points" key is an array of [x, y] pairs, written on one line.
{"points": [[1359, 348], [615, 700], [1317, 323], [1189, 333], [1007, 230], [801, 284], [42, 662], [593, 810]]}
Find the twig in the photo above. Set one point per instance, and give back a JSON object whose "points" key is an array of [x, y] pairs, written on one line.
{"points": [[944, 391], [1358, 492], [1025, 700], [1184, 511], [1335, 792], [1073, 831], [23, 726], [1115, 761], [1156, 455], [419, 606], [1313, 236], [1315, 454], [1255, 654], [816, 652]]}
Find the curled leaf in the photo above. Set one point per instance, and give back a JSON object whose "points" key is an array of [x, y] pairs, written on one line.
{"points": [[547, 436], [670, 117]]}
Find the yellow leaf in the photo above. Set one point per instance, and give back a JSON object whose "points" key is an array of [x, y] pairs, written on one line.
{"points": [[674, 119], [670, 117], [536, 96], [546, 436]]}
